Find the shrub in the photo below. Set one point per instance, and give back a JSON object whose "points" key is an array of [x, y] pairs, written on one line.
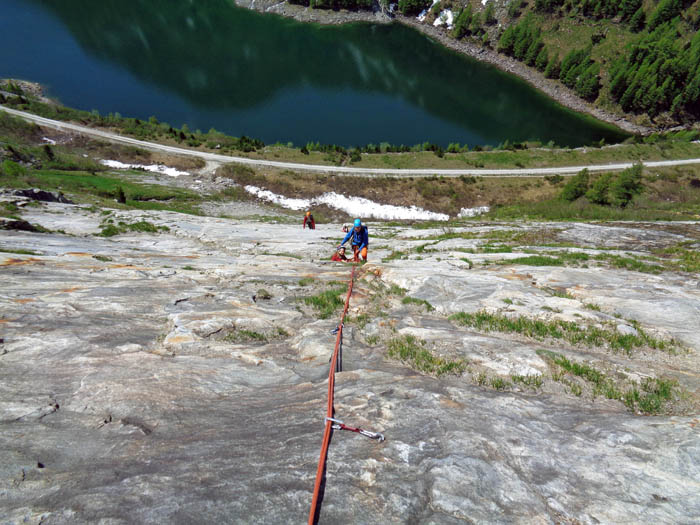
{"points": [[598, 193], [121, 197], [665, 11], [626, 186], [13, 169], [413, 7], [576, 187], [553, 179]]}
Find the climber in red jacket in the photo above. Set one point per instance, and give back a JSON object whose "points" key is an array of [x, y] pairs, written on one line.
{"points": [[339, 255], [308, 218]]}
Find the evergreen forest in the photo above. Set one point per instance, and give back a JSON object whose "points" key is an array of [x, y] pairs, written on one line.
{"points": [[640, 57]]}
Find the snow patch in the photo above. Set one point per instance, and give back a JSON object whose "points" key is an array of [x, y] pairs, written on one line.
{"points": [[421, 16], [357, 206], [473, 212], [155, 168], [446, 18], [49, 141]]}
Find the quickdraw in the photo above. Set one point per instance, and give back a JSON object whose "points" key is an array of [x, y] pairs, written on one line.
{"points": [[339, 425]]}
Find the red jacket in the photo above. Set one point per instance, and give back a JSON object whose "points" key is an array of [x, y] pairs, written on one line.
{"points": [[337, 257], [310, 220]]}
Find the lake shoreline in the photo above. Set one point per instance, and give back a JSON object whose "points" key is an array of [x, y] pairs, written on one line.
{"points": [[551, 88]]}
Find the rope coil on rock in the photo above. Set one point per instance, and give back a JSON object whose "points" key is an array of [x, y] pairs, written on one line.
{"points": [[331, 423]]}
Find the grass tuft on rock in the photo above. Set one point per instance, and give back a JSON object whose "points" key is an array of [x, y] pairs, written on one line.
{"points": [[565, 330], [413, 351], [110, 229], [326, 303], [420, 302], [533, 381], [648, 397], [246, 336], [19, 251], [535, 260]]}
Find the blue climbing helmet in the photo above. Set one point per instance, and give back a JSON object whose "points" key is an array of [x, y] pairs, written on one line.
{"points": [[358, 223]]}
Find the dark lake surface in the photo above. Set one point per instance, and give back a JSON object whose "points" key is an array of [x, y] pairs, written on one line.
{"points": [[209, 64]]}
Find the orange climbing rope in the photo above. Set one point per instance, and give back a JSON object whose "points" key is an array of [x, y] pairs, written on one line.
{"points": [[329, 413]]}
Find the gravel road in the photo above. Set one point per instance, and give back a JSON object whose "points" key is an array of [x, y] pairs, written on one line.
{"points": [[341, 170]]}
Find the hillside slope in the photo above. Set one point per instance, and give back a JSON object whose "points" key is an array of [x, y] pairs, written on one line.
{"points": [[637, 58]]}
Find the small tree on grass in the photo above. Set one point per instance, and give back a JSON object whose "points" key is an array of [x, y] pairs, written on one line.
{"points": [[626, 186], [48, 152], [598, 194], [121, 197], [462, 22], [576, 187], [489, 14], [616, 190], [553, 67], [413, 7]]}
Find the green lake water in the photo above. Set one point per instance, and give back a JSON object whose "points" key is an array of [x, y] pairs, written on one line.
{"points": [[211, 64]]}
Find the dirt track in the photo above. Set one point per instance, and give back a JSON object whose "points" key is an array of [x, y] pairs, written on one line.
{"points": [[341, 170]]}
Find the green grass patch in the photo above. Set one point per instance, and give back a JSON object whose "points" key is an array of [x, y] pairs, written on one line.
{"points": [[326, 303], [498, 383], [419, 302], [563, 330], [109, 229], [103, 189], [421, 248], [560, 210], [372, 339], [629, 263], [284, 254], [360, 320], [495, 248], [19, 251], [246, 336], [395, 289], [413, 351], [533, 381], [306, 281], [534, 260], [394, 255], [8, 209], [683, 258], [558, 292], [561, 258], [648, 397]]}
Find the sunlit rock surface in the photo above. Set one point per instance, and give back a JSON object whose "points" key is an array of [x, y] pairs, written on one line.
{"points": [[179, 377]]}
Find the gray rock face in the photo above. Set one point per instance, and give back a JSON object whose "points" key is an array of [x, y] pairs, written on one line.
{"points": [[14, 224], [42, 195], [141, 383]]}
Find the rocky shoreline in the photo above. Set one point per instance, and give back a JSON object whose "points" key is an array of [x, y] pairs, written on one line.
{"points": [[551, 88]]}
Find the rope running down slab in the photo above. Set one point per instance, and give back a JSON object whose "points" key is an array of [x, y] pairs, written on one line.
{"points": [[329, 412]]}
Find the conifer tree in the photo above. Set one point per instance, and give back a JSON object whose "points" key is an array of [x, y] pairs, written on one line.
{"points": [[542, 59]]}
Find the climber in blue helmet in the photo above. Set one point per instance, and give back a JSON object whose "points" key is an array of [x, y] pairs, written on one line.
{"points": [[359, 240]]}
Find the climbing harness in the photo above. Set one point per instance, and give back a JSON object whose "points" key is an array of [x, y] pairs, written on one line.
{"points": [[330, 422]]}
